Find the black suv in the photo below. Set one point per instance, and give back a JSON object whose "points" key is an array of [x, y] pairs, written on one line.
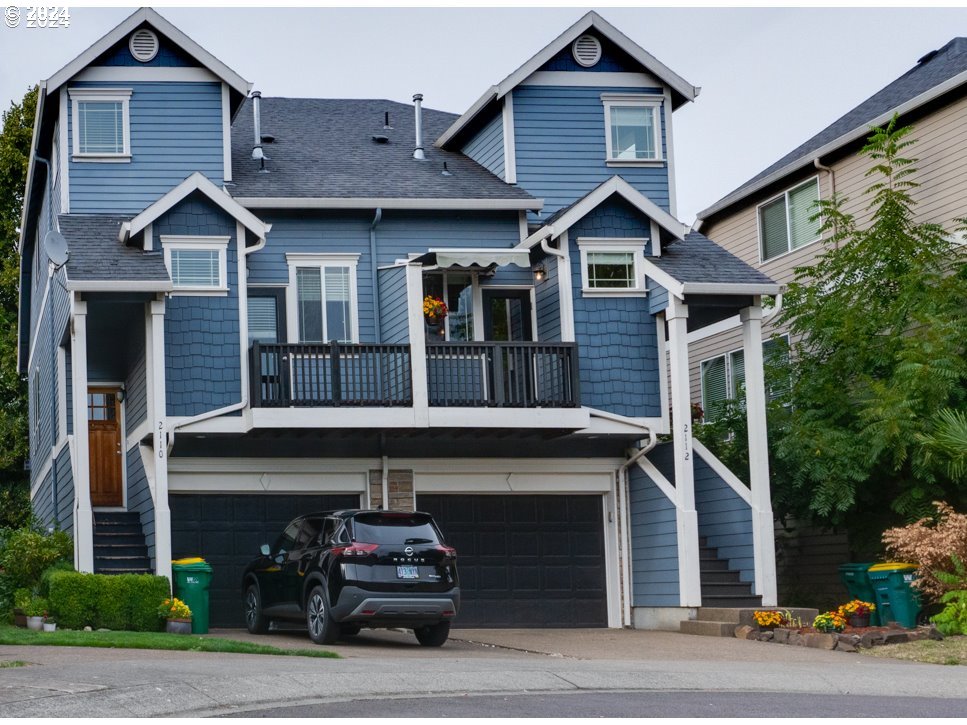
{"points": [[340, 571]]}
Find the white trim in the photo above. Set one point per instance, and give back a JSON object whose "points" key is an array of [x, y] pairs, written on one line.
{"points": [[635, 246], [565, 288], [119, 285], [61, 395], [417, 334], [101, 95], [723, 472], [372, 202], [614, 185], [296, 260], [656, 476], [145, 74], [171, 242], [580, 61], [655, 238], [226, 136], [154, 51], [160, 450], [670, 158], [784, 195], [83, 517], [510, 143], [633, 100], [54, 157], [522, 225], [196, 182], [241, 280], [585, 23], [662, 374], [725, 288], [64, 151], [135, 436], [591, 79], [149, 237], [573, 418], [131, 23]]}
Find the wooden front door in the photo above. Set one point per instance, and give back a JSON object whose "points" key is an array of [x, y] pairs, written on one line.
{"points": [[104, 433]]}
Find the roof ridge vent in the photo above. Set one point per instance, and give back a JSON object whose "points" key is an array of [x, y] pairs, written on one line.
{"points": [[586, 50], [143, 45]]}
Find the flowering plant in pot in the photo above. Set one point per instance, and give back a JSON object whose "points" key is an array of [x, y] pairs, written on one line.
{"points": [[176, 614], [434, 309], [830, 622], [857, 612], [768, 618]]}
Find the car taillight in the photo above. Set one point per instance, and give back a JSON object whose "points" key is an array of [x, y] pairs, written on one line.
{"points": [[356, 549], [447, 550]]}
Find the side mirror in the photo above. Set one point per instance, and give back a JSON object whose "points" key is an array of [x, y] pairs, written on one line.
{"points": [[264, 548]]}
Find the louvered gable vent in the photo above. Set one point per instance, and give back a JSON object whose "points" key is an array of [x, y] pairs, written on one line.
{"points": [[586, 50], [143, 45]]}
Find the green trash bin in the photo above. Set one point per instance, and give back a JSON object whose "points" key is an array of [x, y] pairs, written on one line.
{"points": [[192, 578], [855, 578], [896, 600]]}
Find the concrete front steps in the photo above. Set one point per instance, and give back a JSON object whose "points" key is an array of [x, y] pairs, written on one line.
{"points": [[722, 621]]}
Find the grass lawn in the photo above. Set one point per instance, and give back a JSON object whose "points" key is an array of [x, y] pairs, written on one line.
{"points": [[12, 663], [147, 640], [950, 651]]}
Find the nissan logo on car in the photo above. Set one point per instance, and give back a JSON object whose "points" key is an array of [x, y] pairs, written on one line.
{"points": [[408, 551]]}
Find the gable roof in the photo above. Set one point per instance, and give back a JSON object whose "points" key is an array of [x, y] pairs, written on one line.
{"points": [[563, 219], [935, 74], [682, 90], [323, 154], [128, 25], [97, 255]]}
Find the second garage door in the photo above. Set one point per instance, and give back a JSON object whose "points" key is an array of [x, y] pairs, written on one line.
{"points": [[526, 560]]}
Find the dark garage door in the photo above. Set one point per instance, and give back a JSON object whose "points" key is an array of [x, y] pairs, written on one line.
{"points": [[525, 561], [227, 530]]}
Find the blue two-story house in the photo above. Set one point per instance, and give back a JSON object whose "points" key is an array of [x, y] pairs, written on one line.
{"points": [[223, 323]]}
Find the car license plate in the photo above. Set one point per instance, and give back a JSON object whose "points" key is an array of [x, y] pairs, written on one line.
{"points": [[407, 572]]}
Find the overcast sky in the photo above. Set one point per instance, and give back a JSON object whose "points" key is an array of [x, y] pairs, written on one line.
{"points": [[770, 78]]}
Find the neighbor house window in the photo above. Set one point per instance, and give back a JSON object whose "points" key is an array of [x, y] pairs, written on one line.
{"points": [[784, 222], [632, 127], [101, 124], [723, 377], [197, 265], [612, 266], [322, 297]]}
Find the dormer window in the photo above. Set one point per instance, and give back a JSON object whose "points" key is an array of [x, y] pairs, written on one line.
{"points": [[100, 119], [632, 128]]}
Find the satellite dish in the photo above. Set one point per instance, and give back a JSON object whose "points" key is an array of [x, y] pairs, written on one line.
{"points": [[55, 246]]}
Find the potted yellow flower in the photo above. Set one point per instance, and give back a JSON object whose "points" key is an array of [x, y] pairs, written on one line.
{"points": [[857, 612], [177, 616]]}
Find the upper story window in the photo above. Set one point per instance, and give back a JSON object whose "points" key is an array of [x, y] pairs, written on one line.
{"points": [[612, 267], [322, 297], [266, 315], [632, 128], [100, 119], [784, 222], [456, 289], [723, 377], [197, 265]]}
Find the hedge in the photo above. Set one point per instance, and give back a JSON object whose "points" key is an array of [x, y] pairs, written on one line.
{"points": [[116, 601]]}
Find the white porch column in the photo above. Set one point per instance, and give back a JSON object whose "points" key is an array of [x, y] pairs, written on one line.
{"points": [[414, 302], [159, 426], [84, 518], [763, 528], [690, 586]]}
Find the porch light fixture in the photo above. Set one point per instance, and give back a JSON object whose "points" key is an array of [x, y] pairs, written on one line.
{"points": [[540, 273]]}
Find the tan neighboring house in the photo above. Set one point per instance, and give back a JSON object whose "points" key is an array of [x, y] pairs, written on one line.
{"points": [[765, 223]]}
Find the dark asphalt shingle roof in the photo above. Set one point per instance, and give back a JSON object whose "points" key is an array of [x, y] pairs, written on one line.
{"points": [[699, 259], [324, 148], [932, 70], [96, 254]]}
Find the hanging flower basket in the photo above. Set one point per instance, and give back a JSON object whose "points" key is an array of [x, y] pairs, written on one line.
{"points": [[434, 310]]}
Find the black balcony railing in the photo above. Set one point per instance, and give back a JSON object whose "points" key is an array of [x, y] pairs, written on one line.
{"points": [[503, 374], [321, 375]]}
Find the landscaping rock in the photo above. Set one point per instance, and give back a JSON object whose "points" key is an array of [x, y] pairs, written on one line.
{"points": [[781, 636], [820, 640], [745, 631], [88, 629], [934, 634], [843, 645], [765, 636], [896, 637], [796, 639], [871, 639]]}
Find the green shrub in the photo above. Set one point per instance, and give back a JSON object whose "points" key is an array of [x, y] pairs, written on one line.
{"points": [[21, 598], [953, 619], [36, 607], [27, 553], [44, 588], [121, 602]]}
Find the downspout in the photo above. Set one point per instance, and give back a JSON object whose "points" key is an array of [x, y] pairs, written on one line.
{"points": [[624, 517], [374, 275], [548, 249], [832, 187]]}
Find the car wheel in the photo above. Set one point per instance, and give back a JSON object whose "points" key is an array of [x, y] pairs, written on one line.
{"points": [[349, 630], [433, 635], [322, 628], [255, 620]]}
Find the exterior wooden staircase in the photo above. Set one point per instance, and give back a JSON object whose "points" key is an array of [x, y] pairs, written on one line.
{"points": [[119, 544]]}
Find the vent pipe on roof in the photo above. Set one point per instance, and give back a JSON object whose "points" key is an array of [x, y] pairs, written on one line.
{"points": [[257, 125], [418, 109]]}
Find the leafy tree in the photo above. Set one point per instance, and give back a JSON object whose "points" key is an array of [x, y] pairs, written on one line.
{"points": [[879, 326], [15, 140]]}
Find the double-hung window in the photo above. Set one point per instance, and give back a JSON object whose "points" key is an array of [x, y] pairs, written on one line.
{"points": [[197, 265], [612, 267], [784, 222], [101, 126], [322, 297], [632, 128]]}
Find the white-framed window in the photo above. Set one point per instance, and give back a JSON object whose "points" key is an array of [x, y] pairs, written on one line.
{"points": [[612, 267], [101, 124], [321, 298], [632, 128], [784, 221], [197, 265], [723, 376]]}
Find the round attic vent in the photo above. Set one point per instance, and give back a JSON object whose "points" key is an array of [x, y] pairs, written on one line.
{"points": [[586, 50], [143, 45]]}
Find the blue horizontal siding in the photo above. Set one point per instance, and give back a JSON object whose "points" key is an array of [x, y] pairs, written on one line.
{"points": [[487, 147], [560, 146], [42, 501], [724, 519], [654, 544], [139, 497], [65, 491], [176, 129], [394, 319], [548, 303], [135, 387], [657, 297]]}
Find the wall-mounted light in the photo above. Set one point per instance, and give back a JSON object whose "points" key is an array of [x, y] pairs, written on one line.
{"points": [[540, 274]]}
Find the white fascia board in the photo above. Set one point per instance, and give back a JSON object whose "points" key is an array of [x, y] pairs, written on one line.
{"points": [[126, 26], [859, 132], [489, 95], [722, 288], [31, 164], [146, 74], [662, 277], [589, 79], [196, 182], [568, 418], [329, 202], [119, 285]]}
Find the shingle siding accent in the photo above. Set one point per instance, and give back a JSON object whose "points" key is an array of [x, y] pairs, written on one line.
{"points": [[613, 60], [561, 152], [176, 129], [657, 297], [487, 147], [394, 319], [169, 56], [724, 519], [139, 497], [202, 346], [654, 544], [616, 336]]}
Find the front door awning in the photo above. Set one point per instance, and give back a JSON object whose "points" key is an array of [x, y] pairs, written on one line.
{"points": [[460, 258]]}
